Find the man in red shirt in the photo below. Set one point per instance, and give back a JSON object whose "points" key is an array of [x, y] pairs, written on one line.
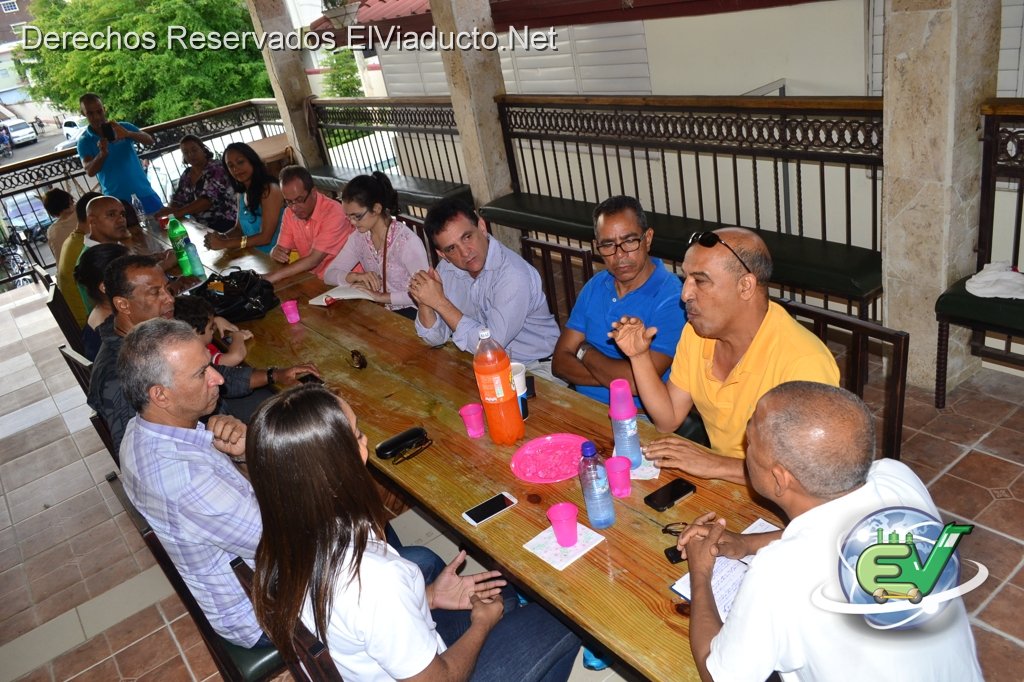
{"points": [[314, 226]]}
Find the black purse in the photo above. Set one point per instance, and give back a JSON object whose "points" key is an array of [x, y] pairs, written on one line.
{"points": [[238, 296]]}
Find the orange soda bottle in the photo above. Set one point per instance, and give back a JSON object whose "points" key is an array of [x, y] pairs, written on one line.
{"points": [[494, 379]]}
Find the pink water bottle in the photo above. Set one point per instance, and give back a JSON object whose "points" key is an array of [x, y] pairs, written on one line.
{"points": [[622, 411]]}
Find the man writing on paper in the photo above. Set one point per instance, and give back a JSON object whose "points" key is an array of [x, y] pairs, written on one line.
{"points": [[810, 450], [736, 346]]}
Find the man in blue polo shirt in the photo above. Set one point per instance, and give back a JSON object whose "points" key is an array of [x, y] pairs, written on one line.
{"points": [[633, 284], [115, 162]]}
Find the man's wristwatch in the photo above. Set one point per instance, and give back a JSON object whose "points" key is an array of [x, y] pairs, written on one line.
{"points": [[270, 375], [581, 352]]}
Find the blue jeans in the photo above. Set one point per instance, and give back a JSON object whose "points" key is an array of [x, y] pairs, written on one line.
{"points": [[527, 645], [430, 564]]}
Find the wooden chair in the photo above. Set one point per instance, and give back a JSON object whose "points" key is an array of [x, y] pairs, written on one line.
{"points": [[417, 225], [314, 661], [235, 663], [82, 370], [567, 259], [65, 319], [863, 333]]}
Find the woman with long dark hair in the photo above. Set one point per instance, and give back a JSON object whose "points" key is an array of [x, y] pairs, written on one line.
{"points": [[388, 250], [323, 558], [204, 190], [260, 202]]}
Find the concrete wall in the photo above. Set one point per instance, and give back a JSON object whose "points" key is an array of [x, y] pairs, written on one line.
{"points": [[820, 48]]}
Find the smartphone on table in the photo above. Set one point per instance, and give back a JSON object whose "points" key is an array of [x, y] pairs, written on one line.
{"points": [[670, 493], [488, 509]]}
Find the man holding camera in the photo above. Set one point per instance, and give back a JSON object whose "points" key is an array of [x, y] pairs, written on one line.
{"points": [[107, 150]]}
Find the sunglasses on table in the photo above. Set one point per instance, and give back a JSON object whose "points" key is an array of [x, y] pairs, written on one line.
{"points": [[710, 239], [405, 445]]}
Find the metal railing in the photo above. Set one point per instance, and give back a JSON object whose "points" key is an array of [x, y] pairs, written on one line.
{"points": [[412, 136], [22, 184]]}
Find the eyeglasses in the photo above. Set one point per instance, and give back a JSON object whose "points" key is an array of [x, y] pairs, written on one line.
{"points": [[292, 202], [674, 528], [709, 239], [627, 245], [412, 449], [356, 217]]}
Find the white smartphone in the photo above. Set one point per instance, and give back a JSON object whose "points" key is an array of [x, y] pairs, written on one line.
{"points": [[489, 508]]}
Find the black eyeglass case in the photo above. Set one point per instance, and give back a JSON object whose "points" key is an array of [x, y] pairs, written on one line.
{"points": [[404, 441]]}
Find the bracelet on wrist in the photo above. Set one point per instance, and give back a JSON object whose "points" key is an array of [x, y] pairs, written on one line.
{"points": [[243, 241]]}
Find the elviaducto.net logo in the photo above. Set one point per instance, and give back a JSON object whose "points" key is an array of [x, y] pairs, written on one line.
{"points": [[899, 568]]}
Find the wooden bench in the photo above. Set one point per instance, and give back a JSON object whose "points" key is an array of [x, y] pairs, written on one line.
{"points": [[1000, 165], [804, 172], [419, 192], [850, 272], [858, 336]]}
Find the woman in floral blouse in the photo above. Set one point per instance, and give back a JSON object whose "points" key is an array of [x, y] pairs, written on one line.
{"points": [[388, 250], [204, 190]]}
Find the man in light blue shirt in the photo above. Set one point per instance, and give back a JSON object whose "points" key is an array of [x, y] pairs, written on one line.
{"points": [[481, 283], [632, 284], [115, 162]]}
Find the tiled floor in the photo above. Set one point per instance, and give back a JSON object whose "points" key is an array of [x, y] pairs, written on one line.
{"points": [[79, 597]]}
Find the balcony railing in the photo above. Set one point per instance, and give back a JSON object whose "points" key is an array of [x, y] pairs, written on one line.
{"points": [[22, 184]]}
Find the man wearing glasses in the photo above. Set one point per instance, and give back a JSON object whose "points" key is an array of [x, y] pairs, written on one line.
{"points": [[633, 284], [314, 226], [737, 345]]}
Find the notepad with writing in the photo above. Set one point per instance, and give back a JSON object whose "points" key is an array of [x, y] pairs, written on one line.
{"points": [[727, 575], [341, 292]]}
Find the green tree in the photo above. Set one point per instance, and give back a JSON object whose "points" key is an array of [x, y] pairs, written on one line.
{"points": [[144, 86], [343, 78]]}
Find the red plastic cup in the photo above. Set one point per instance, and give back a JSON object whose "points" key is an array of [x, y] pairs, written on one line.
{"points": [[618, 475], [291, 310], [563, 521], [473, 417], [163, 221]]}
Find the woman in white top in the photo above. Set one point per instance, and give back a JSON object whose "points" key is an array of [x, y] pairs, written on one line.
{"points": [[323, 558], [388, 250]]}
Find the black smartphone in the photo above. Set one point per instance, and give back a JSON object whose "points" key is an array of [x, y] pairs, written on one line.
{"points": [[673, 554], [489, 508], [670, 493], [108, 131], [310, 379]]}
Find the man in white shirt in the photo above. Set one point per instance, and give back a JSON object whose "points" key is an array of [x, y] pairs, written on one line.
{"points": [[810, 451]]}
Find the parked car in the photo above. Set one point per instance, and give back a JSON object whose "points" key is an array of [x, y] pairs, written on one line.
{"points": [[70, 142], [21, 132], [25, 212], [73, 127]]}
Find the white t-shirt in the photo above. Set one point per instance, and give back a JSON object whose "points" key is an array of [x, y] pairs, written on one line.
{"points": [[380, 626], [774, 626]]}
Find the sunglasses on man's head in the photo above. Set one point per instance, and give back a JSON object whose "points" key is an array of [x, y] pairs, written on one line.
{"points": [[710, 239]]}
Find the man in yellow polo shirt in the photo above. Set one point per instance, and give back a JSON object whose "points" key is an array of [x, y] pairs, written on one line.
{"points": [[736, 347]]}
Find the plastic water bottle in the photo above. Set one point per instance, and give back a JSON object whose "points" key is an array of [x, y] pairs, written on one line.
{"points": [[178, 236], [497, 393], [596, 491], [140, 211], [622, 411], [193, 260]]}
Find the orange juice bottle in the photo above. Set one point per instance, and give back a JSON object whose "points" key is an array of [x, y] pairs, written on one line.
{"points": [[494, 379]]}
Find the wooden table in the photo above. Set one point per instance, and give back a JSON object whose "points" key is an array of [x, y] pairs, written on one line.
{"points": [[618, 593]]}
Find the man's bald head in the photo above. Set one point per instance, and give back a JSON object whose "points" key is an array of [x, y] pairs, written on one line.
{"points": [[749, 248], [107, 221], [823, 435]]}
